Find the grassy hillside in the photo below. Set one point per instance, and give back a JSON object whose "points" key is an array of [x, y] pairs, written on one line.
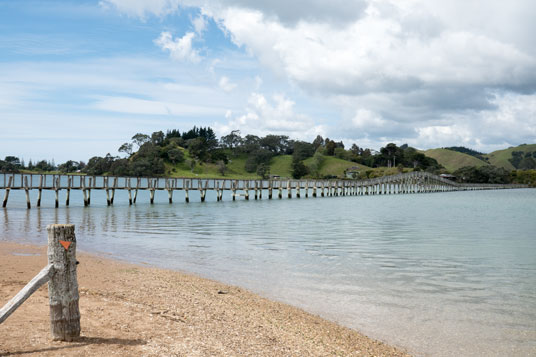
{"points": [[279, 165], [500, 158], [333, 166], [453, 160], [235, 169]]}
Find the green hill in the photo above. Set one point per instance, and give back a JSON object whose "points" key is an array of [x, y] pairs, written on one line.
{"points": [[453, 160], [500, 158], [333, 166]]}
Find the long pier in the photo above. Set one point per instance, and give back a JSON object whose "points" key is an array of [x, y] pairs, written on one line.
{"points": [[413, 182]]}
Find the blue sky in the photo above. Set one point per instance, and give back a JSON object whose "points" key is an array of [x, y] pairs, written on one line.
{"points": [[79, 78]]}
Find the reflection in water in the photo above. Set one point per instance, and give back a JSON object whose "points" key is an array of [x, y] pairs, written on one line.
{"points": [[455, 272]]}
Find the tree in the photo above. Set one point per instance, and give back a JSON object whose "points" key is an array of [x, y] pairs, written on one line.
{"points": [[222, 168], [298, 169], [231, 140], [318, 142], [263, 171], [126, 148], [69, 166], [330, 147], [157, 138], [316, 165], [139, 139], [175, 156], [302, 150]]}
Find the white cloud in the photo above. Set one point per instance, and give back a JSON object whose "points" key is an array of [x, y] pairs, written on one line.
{"points": [[428, 72], [263, 117], [179, 49], [200, 24], [153, 107], [226, 84], [142, 8]]}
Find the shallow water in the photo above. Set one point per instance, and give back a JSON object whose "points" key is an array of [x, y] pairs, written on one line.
{"points": [[443, 274]]}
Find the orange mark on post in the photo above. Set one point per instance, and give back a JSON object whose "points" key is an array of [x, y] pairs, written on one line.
{"points": [[65, 244]]}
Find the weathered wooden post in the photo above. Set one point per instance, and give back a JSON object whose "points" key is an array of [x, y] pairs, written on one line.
{"points": [[298, 189], [113, 190], [84, 190], [57, 191], [203, 190], [27, 191], [129, 188], [91, 180], [68, 196], [270, 189], [151, 190], [169, 187], [246, 189], [8, 188], [289, 189], [63, 285], [108, 202], [40, 191], [138, 183]]}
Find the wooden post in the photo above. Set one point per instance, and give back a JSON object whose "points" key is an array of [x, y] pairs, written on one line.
{"points": [[314, 189], [84, 190], [306, 188], [233, 188], [270, 189], [280, 190], [256, 189], [261, 185], [67, 198], [186, 185], [113, 190], [27, 191], [218, 198], [246, 189], [203, 190], [8, 188], [129, 192], [57, 190], [91, 180], [63, 285], [289, 189], [151, 189], [108, 202], [138, 183], [169, 186], [40, 191]]}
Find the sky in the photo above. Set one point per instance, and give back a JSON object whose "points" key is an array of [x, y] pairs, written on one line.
{"points": [[79, 78]]}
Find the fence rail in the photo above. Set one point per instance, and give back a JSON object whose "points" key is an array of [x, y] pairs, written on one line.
{"points": [[60, 273]]}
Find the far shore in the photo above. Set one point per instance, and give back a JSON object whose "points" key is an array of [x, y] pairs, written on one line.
{"points": [[133, 310]]}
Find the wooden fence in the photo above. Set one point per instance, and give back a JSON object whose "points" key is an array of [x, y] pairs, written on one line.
{"points": [[60, 273]]}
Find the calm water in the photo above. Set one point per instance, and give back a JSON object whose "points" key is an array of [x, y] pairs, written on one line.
{"points": [[444, 274]]}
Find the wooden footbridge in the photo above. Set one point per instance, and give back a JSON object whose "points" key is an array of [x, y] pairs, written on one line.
{"points": [[413, 182]]}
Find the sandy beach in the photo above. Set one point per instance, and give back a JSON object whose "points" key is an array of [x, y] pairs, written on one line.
{"points": [[132, 310]]}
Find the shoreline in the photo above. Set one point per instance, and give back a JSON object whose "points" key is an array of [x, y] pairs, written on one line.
{"points": [[128, 309]]}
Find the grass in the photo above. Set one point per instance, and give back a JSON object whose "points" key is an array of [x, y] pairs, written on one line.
{"points": [[453, 160], [281, 166], [500, 158]]}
